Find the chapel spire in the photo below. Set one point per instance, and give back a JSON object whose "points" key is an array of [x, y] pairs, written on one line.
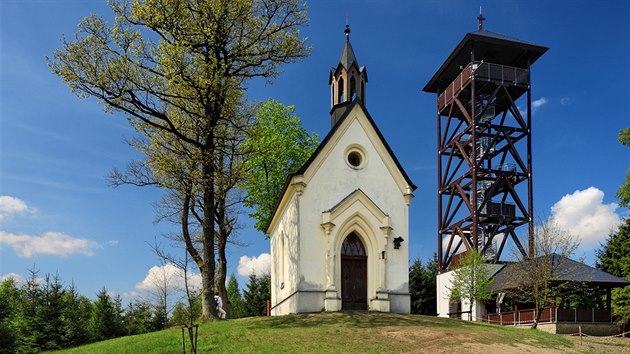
{"points": [[347, 81]]}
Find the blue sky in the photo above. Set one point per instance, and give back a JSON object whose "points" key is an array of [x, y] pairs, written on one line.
{"points": [[57, 212]]}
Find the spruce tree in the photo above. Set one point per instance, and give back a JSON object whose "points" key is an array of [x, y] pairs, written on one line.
{"points": [[422, 287], [235, 298], [257, 293], [614, 258], [9, 306], [76, 315]]}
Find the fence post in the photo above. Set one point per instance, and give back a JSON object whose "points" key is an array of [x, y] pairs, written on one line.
{"points": [[593, 315]]}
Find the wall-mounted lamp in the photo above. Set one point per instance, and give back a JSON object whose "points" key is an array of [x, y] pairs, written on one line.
{"points": [[397, 241]]}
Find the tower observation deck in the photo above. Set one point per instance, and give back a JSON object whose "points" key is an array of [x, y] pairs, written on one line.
{"points": [[484, 146]]}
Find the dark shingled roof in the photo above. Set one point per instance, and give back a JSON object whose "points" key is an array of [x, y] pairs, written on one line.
{"points": [[347, 55], [564, 270], [489, 47]]}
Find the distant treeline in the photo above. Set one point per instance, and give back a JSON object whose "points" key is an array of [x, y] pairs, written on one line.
{"points": [[42, 314]]}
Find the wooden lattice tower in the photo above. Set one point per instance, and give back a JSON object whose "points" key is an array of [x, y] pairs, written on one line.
{"points": [[484, 111]]}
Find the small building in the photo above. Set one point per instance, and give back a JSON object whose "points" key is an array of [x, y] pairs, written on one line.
{"points": [[582, 297], [339, 234]]}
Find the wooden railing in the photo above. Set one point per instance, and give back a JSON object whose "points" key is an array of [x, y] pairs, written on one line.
{"points": [[550, 314], [501, 74]]}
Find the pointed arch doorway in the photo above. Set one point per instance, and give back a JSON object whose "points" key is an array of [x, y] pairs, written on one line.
{"points": [[353, 274]]}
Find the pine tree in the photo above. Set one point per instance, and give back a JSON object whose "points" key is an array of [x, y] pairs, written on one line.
{"points": [[9, 306], [256, 296], [137, 318], [235, 300], [422, 287], [75, 318], [50, 313], [28, 326], [614, 258], [106, 319]]}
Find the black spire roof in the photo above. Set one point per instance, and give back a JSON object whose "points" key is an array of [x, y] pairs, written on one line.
{"points": [[347, 55]]}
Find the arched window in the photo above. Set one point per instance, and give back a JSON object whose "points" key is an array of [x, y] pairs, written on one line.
{"points": [[340, 87], [353, 88], [352, 246]]}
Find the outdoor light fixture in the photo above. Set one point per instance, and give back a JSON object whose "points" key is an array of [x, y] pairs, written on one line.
{"points": [[397, 241]]}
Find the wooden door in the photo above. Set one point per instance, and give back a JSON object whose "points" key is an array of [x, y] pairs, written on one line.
{"points": [[353, 274]]}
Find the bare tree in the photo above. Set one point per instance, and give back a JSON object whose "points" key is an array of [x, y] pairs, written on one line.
{"points": [[535, 279]]}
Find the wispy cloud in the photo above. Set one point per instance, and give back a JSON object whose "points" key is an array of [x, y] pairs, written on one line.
{"points": [[565, 101], [536, 104], [539, 103], [52, 243], [585, 215], [10, 206], [254, 265]]}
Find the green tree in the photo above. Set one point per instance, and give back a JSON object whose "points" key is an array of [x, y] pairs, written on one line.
{"points": [[279, 146], [256, 296], [10, 296], [422, 287], [472, 280], [614, 257], [106, 317], [50, 313], [76, 314], [138, 318], [29, 327], [235, 300], [179, 68], [623, 193]]}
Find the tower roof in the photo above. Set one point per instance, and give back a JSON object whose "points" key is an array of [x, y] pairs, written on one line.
{"points": [[489, 47], [347, 55]]}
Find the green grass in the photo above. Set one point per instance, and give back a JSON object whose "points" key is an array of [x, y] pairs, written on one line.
{"points": [[338, 332]]}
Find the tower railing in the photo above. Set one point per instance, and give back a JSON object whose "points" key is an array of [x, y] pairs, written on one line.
{"points": [[501, 74]]}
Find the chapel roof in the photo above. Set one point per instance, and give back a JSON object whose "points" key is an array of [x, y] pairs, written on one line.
{"points": [[325, 141]]}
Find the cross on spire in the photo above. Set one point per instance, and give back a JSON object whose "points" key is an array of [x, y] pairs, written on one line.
{"points": [[480, 20]]}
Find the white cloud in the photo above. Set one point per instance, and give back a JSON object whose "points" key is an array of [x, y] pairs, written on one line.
{"points": [[54, 243], [10, 206], [168, 274], [585, 215], [254, 265], [538, 103], [565, 101], [19, 279]]}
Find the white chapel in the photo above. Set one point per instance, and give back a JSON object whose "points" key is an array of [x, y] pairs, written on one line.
{"points": [[340, 231]]}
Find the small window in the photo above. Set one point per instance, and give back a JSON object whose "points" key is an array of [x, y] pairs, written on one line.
{"points": [[355, 157]]}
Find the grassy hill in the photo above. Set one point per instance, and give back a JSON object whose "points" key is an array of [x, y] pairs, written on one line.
{"points": [[356, 332]]}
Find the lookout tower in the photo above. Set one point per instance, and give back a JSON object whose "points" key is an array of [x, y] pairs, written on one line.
{"points": [[484, 145]]}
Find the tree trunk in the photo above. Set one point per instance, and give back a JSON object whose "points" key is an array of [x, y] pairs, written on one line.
{"points": [[221, 272], [208, 309]]}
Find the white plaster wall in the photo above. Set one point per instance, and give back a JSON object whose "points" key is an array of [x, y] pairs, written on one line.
{"points": [[288, 274], [444, 283], [334, 180]]}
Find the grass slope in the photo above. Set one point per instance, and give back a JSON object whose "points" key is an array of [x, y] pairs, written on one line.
{"points": [[348, 332]]}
